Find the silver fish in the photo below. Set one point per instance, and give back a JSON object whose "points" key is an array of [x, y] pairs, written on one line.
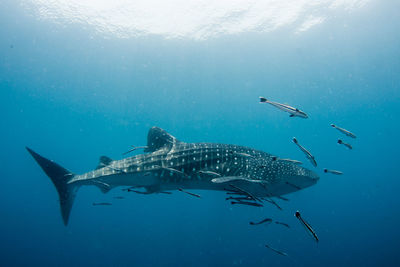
{"points": [[344, 131], [345, 144], [274, 158], [294, 112], [333, 171], [306, 152], [192, 194], [267, 220], [133, 149], [282, 223], [277, 251], [247, 203], [306, 226]]}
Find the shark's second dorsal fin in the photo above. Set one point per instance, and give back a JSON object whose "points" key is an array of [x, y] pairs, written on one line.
{"points": [[158, 138], [104, 161]]}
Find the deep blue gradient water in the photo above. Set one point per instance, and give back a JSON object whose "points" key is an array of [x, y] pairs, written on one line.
{"points": [[72, 96]]}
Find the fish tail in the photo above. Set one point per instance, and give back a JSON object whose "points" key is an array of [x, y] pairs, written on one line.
{"points": [[263, 99], [60, 178]]}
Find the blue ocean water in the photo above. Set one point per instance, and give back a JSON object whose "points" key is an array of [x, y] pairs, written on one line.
{"points": [[72, 96]]}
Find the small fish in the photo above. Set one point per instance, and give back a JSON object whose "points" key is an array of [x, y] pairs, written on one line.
{"points": [[243, 154], [235, 193], [118, 197], [294, 112], [295, 186], [345, 144], [247, 203], [136, 191], [344, 131], [274, 158], [277, 251], [114, 169], [192, 194], [283, 198], [273, 202], [306, 152], [239, 190], [209, 173], [133, 149], [267, 220], [172, 170], [282, 223], [101, 204], [333, 171], [306, 225], [239, 198]]}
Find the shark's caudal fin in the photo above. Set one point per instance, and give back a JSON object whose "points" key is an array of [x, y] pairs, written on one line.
{"points": [[60, 177]]}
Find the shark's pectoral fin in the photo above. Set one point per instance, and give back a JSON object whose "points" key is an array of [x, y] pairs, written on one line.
{"points": [[104, 187], [233, 178], [291, 115], [103, 162]]}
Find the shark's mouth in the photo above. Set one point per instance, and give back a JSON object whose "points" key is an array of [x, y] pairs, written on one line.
{"points": [[198, 20]]}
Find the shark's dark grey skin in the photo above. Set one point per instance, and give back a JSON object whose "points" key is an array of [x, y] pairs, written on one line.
{"points": [[170, 164]]}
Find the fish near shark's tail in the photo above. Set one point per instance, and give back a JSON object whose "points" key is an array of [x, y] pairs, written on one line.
{"points": [[60, 178]]}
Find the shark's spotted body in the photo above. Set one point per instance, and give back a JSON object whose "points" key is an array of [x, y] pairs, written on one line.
{"points": [[171, 164]]}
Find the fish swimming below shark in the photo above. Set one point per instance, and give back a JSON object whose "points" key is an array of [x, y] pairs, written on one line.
{"points": [[169, 164]]}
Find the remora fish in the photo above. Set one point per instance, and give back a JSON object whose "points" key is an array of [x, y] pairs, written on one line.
{"points": [[344, 131], [248, 203], [306, 152], [345, 144], [282, 223], [133, 149], [333, 171], [170, 164], [294, 112], [288, 160], [277, 251], [192, 194], [269, 220], [306, 226]]}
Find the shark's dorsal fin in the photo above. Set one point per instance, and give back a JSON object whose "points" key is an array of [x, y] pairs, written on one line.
{"points": [[104, 161], [158, 138]]}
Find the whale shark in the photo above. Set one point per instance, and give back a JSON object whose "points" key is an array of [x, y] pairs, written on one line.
{"points": [[169, 164]]}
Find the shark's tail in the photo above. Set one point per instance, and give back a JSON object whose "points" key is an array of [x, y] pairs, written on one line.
{"points": [[60, 178]]}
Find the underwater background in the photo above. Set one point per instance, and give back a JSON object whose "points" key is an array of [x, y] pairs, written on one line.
{"points": [[72, 94]]}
